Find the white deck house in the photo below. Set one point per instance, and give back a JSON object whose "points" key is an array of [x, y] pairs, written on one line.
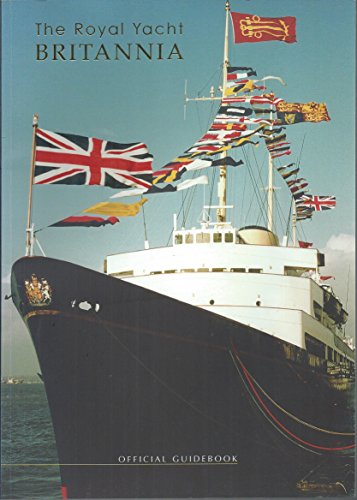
{"points": [[246, 276]]}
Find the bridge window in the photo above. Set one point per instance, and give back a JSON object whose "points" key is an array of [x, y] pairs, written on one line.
{"points": [[237, 269], [217, 237], [203, 238], [228, 237], [178, 239], [189, 238], [253, 270]]}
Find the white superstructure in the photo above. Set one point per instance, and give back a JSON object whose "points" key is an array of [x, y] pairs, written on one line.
{"points": [[246, 276]]}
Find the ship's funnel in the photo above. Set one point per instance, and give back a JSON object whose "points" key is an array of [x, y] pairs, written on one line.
{"points": [[256, 235]]}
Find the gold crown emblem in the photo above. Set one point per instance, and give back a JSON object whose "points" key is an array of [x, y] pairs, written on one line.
{"points": [[39, 292]]}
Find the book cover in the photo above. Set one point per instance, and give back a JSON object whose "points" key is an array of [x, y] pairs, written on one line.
{"points": [[178, 248]]}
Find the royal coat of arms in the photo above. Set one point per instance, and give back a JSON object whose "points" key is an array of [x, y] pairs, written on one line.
{"points": [[38, 291]]}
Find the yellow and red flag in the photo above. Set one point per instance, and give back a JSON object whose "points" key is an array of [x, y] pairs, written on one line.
{"points": [[253, 28], [115, 209]]}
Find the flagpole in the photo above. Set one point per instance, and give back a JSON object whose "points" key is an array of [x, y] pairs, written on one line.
{"points": [[222, 185], [146, 241], [29, 229], [270, 194]]}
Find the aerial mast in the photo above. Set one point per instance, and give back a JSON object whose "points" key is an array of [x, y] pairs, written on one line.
{"points": [[270, 188]]}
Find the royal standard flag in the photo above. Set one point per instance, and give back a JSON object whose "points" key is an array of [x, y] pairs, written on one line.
{"points": [[289, 113], [253, 28]]}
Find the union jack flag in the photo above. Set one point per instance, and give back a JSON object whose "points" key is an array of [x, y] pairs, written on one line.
{"points": [[319, 203], [74, 159]]}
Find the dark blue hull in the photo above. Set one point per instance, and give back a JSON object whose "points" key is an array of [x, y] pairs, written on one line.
{"points": [[151, 397]]}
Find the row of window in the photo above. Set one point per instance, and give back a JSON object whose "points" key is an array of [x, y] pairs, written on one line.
{"points": [[208, 270], [204, 238], [287, 272], [325, 317], [318, 348], [199, 270]]}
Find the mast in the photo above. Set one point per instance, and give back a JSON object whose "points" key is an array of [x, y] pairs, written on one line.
{"points": [[29, 228], [270, 194], [222, 185], [270, 188]]}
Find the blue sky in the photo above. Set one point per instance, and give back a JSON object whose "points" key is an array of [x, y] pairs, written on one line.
{"points": [[141, 100]]}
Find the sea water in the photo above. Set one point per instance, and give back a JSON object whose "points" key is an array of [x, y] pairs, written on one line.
{"points": [[27, 444]]}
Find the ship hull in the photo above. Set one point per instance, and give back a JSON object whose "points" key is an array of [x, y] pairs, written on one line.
{"points": [[152, 397]]}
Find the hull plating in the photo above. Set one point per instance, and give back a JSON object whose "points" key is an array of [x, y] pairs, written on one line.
{"points": [[151, 397]]}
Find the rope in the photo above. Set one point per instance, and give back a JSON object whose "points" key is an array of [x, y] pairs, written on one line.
{"points": [[265, 416], [296, 418], [324, 448], [256, 191]]}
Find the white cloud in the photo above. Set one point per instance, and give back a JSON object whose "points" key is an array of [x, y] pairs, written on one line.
{"points": [[342, 242]]}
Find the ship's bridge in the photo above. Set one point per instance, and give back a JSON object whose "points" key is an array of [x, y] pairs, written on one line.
{"points": [[218, 248], [252, 235]]}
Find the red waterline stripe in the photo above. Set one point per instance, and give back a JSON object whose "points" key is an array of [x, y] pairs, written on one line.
{"points": [[278, 422], [64, 492]]}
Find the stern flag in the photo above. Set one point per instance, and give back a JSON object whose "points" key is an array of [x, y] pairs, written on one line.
{"points": [[252, 28]]}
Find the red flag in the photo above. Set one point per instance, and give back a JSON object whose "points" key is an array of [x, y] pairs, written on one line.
{"points": [[253, 28], [305, 244], [324, 278], [85, 221]]}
